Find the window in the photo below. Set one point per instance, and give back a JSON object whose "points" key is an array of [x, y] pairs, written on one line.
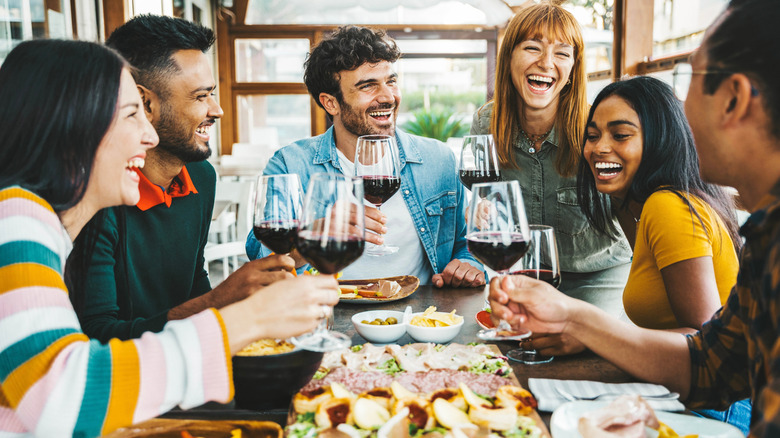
{"points": [[22, 20], [678, 25]]}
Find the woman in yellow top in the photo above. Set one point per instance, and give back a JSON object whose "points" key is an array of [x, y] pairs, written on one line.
{"points": [[639, 150]]}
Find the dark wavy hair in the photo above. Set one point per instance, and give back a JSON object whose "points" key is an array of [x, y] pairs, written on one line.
{"points": [[59, 99], [746, 41], [149, 41], [347, 48], [669, 158]]}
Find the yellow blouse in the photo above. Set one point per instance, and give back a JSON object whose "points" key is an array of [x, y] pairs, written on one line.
{"points": [[667, 233]]}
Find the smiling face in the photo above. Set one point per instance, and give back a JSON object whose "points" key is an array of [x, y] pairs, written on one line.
{"points": [[613, 146], [114, 178], [540, 70], [190, 108], [370, 99]]}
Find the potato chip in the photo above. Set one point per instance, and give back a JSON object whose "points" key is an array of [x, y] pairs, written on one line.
{"points": [[431, 318]]}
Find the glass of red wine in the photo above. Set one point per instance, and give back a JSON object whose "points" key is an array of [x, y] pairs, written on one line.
{"points": [[541, 263], [331, 235], [378, 164], [497, 236], [478, 160], [278, 208]]}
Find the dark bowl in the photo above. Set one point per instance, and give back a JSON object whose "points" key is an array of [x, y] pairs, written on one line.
{"points": [[269, 382]]}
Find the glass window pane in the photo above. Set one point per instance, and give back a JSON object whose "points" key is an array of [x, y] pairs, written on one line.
{"points": [[22, 20], [442, 46], [491, 13], [270, 60], [678, 26], [274, 120], [457, 85]]}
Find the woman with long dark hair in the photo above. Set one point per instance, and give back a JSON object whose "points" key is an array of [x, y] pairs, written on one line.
{"points": [[537, 118], [74, 135], [639, 151]]}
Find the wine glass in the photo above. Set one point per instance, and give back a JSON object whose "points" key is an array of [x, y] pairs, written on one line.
{"points": [[478, 160], [541, 263], [278, 205], [378, 164], [497, 236], [331, 236]]}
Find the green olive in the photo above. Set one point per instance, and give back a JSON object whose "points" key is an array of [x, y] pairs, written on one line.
{"points": [[375, 322], [364, 322], [391, 320]]}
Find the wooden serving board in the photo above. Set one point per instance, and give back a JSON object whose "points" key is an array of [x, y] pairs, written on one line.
{"points": [[534, 414], [408, 283], [172, 428], [511, 376]]}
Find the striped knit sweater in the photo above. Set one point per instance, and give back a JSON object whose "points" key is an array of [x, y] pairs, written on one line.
{"points": [[54, 381]]}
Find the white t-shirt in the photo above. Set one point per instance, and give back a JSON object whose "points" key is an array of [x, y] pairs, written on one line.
{"points": [[410, 259]]}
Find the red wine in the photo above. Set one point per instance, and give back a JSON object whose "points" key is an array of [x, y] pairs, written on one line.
{"points": [[541, 274], [331, 256], [277, 235], [379, 189], [498, 251], [470, 177]]}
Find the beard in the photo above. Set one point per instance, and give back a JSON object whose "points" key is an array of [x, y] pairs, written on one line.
{"points": [[355, 121], [177, 140]]}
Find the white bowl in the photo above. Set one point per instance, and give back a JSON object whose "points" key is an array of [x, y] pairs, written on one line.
{"points": [[438, 335], [379, 334]]}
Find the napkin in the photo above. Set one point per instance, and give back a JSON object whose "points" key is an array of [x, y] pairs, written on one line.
{"points": [[549, 399]]}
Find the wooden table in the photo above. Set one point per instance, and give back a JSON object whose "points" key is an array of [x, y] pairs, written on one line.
{"points": [[467, 302]]}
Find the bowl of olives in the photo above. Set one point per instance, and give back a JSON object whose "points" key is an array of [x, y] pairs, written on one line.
{"points": [[380, 326]]}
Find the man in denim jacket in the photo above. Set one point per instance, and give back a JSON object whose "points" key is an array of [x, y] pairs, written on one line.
{"points": [[350, 75]]}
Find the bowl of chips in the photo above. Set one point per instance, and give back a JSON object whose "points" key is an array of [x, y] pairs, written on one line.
{"points": [[433, 326], [268, 372]]}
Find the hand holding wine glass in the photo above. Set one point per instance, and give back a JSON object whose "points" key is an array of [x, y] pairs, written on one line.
{"points": [[478, 160], [277, 210], [377, 162], [498, 238], [331, 236]]}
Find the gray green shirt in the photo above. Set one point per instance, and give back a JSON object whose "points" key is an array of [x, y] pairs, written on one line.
{"points": [[551, 199]]}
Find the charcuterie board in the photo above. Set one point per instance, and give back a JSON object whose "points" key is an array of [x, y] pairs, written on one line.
{"points": [[368, 389]]}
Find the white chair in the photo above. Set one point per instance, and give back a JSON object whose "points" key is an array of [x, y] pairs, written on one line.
{"points": [[234, 222], [229, 253]]}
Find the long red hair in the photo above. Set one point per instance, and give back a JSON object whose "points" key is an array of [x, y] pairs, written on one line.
{"points": [[556, 24]]}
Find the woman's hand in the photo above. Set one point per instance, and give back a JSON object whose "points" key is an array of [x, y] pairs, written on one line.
{"points": [[282, 310]]}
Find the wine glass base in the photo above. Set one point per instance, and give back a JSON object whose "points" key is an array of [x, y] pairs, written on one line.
{"points": [[322, 341], [501, 335], [380, 250], [528, 357]]}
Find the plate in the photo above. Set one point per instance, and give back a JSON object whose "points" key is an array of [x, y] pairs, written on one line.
{"points": [[483, 319], [563, 423], [408, 283], [172, 428]]}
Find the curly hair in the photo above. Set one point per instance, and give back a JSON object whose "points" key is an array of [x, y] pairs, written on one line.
{"points": [[346, 49], [149, 41]]}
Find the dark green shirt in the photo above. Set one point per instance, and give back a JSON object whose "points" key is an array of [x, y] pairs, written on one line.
{"points": [[130, 291]]}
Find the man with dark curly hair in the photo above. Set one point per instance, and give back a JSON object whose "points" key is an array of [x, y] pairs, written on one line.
{"points": [[350, 75]]}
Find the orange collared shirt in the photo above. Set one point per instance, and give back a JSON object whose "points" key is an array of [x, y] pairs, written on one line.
{"points": [[152, 194]]}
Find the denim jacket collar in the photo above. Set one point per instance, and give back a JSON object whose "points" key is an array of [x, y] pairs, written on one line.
{"points": [[326, 149]]}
